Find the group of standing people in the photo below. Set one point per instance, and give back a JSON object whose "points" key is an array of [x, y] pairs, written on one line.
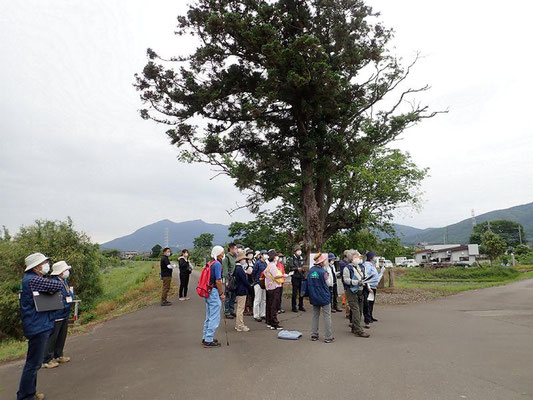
{"points": [[243, 276], [185, 270], [46, 331]]}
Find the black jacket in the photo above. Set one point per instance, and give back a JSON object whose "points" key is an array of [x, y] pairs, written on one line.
{"points": [[184, 266], [165, 271], [296, 262]]}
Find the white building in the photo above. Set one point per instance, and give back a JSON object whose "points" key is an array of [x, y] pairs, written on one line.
{"points": [[450, 253]]}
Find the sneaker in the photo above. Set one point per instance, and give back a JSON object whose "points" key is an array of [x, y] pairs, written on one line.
{"points": [[294, 310], [214, 341], [361, 334], [182, 299], [208, 345], [374, 320], [279, 328], [302, 309], [329, 340], [229, 316], [269, 326], [51, 364], [165, 303], [187, 298], [259, 319], [314, 338], [282, 311], [333, 311], [242, 329], [366, 326], [39, 396], [272, 328], [62, 359]]}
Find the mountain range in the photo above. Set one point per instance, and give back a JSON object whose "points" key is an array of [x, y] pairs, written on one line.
{"points": [[182, 234]]}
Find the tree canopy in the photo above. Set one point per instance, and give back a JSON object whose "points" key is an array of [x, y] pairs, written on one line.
{"points": [[492, 245], [511, 232], [287, 97]]}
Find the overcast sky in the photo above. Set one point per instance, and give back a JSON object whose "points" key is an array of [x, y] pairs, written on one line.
{"points": [[73, 144]]}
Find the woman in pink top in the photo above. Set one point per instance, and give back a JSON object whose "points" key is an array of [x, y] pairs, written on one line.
{"points": [[273, 282]]}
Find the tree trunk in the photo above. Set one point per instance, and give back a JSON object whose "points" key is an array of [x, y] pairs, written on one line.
{"points": [[313, 222]]}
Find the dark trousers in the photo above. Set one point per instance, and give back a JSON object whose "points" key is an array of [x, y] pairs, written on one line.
{"points": [[297, 293], [184, 284], [355, 301], [229, 303], [368, 306], [272, 302], [334, 297], [280, 298], [57, 339], [34, 360]]}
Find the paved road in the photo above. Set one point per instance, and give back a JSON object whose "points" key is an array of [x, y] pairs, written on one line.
{"points": [[476, 345]]}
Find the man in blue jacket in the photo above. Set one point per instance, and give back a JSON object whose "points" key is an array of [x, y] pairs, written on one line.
{"points": [[319, 296], [37, 326]]}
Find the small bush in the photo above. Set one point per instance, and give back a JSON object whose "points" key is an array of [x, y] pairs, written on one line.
{"points": [[492, 274]]}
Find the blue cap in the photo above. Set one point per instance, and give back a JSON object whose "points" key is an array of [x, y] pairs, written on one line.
{"points": [[331, 256], [263, 252], [370, 256]]}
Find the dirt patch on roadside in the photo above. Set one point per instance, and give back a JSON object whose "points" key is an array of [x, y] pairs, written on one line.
{"points": [[397, 296]]}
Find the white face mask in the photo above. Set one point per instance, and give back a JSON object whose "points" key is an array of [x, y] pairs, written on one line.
{"points": [[45, 269], [276, 259], [299, 253], [66, 274]]}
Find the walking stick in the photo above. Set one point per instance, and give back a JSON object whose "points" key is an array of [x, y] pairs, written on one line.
{"points": [[226, 329]]}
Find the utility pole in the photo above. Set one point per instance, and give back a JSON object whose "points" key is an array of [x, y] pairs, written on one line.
{"points": [[520, 233], [166, 237], [488, 226]]}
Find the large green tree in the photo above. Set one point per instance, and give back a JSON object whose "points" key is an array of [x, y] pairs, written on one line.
{"points": [[284, 96], [511, 232], [492, 245], [202, 248]]}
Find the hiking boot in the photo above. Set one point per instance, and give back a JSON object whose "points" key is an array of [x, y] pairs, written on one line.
{"points": [[208, 345], [165, 303], [62, 359], [329, 340], [361, 334], [302, 309], [314, 338], [51, 364], [374, 320], [294, 310], [39, 396], [214, 341], [229, 316]]}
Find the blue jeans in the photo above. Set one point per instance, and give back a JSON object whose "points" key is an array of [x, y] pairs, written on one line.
{"points": [[212, 315], [37, 345]]}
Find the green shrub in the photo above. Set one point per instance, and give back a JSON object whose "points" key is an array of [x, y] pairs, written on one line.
{"points": [[59, 241], [491, 274]]}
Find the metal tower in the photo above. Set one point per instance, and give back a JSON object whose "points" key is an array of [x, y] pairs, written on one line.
{"points": [[166, 237]]}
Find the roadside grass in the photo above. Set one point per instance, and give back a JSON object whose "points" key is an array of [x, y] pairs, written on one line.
{"points": [[133, 285], [447, 281]]}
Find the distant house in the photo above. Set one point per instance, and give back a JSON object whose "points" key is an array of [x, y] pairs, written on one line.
{"points": [[448, 253], [128, 255]]}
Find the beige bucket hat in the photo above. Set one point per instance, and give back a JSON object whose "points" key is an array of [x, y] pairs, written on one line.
{"points": [[34, 260], [59, 267]]}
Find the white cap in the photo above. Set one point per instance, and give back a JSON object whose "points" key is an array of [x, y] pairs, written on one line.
{"points": [[59, 267], [217, 250], [34, 260]]}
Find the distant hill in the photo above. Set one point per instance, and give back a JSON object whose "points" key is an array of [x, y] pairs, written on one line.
{"points": [[460, 232], [180, 235]]}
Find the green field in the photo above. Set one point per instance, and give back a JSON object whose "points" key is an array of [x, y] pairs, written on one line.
{"points": [[447, 281]]}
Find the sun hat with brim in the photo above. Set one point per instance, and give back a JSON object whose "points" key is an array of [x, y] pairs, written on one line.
{"points": [[240, 257], [34, 260], [59, 267], [321, 257]]}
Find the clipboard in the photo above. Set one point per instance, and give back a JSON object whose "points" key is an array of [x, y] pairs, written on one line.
{"points": [[48, 302]]}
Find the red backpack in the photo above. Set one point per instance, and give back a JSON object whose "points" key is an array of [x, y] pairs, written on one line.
{"points": [[204, 284]]}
